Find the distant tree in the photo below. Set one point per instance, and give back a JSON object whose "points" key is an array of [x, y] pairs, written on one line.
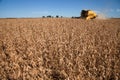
{"points": [[43, 16], [49, 16], [57, 16], [73, 17], [61, 16]]}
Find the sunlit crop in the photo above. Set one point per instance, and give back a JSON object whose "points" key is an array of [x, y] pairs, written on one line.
{"points": [[59, 49]]}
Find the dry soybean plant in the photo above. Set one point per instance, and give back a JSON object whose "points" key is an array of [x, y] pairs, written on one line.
{"points": [[59, 49]]}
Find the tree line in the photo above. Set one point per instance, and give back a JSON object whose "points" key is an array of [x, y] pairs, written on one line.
{"points": [[49, 16]]}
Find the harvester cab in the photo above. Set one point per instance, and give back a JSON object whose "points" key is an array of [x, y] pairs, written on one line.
{"points": [[88, 14]]}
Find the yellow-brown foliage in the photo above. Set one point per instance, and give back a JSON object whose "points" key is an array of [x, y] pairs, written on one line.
{"points": [[59, 49]]}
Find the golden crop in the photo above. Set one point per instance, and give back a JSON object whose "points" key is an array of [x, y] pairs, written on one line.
{"points": [[59, 49]]}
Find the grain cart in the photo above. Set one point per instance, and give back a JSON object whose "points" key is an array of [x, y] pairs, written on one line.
{"points": [[88, 14]]}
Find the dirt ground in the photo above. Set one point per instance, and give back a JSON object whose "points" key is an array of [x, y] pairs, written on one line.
{"points": [[59, 49]]}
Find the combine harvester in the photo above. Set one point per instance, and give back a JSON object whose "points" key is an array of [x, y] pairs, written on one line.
{"points": [[88, 14]]}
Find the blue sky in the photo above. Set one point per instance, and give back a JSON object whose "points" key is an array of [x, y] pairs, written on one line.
{"points": [[67, 8]]}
